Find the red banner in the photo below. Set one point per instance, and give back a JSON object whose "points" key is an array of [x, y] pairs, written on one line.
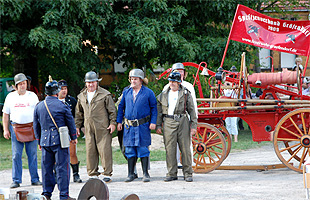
{"points": [[259, 30]]}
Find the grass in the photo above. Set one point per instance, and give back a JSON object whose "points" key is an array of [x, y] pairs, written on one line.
{"points": [[245, 142], [244, 138]]}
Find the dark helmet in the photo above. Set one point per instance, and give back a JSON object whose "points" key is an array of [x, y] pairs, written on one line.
{"points": [[62, 83], [233, 68], [177, 66], [175, 76], [19, 78], [51, 87], [91, 76]]}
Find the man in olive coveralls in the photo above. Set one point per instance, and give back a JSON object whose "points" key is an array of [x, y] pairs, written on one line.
{"points": [[173, 105], [49, 141], [95, 108]]}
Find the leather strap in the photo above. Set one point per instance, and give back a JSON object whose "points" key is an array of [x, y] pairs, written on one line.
{"points": [[137, 122], [48, 110], [175, 116]]}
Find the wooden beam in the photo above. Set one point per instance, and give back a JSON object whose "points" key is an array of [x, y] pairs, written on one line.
{"points": [[251, 167]]}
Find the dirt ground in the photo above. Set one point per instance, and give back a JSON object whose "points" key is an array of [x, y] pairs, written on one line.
{"points": [[220, 184]]}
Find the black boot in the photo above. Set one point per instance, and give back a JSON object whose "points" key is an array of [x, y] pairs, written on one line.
{"points": [[131, 168], [145, 167], [76, 176]]}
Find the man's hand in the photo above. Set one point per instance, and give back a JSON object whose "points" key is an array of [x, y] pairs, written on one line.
{"points": [[74, 141], [152, 126], [40, 148], [119, 126], [193, 131], [158, 131], [6, 122], [78, 132], [6, 134], [111, 128]]}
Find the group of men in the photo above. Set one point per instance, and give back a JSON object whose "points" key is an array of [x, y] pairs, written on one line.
{"points": [[23, 107], [173, 113]]}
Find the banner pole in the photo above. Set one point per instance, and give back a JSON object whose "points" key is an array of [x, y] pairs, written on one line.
{"points": [[225, 51]]}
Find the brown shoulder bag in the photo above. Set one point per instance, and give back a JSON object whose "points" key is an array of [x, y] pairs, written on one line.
{"points": [[24, 132]]}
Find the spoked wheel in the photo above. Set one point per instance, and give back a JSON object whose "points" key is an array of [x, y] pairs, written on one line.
{"points": [[227, 137], [209, 148], [291, 139]]}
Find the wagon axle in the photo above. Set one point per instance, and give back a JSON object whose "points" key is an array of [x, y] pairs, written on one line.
{"points": [[305, 141], [201, 148]]}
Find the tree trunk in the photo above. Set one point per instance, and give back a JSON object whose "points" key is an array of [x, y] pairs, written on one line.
{"points": [[28, 65]]}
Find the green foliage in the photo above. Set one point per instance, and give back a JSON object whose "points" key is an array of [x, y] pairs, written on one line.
{"points": [[49, 37], [6, 61]]}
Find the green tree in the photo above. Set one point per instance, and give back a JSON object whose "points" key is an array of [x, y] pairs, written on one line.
{"points": [[50, 37]]}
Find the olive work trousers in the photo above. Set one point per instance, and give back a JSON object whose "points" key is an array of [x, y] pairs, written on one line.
{"points": [[98, 143], [177, 132]]}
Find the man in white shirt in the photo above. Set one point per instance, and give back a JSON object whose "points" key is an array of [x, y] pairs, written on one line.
{"points": [[18, 109], [180, 68], [177, 121]]}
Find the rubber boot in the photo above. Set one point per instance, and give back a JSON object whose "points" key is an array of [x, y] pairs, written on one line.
{"points": [[145, 167], [131, 168], [135, 173], [76, 176]]}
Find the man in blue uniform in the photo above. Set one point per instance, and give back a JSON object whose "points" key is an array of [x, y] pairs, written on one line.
{"points": [[139, 107], [49, 141]]}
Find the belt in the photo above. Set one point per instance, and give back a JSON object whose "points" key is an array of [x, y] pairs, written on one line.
{"points": [[175, 116], [137, 122]]}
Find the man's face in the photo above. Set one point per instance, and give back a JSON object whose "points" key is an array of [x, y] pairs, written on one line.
{"points": [[181, 71], [174, 86], [21, 87], [91, 86], [136, 82], [63, 92]]}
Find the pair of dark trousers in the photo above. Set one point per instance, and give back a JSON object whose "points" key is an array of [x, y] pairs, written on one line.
{"points": [[60, 156]]}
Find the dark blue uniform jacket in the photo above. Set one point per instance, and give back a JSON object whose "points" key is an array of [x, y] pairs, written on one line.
{"points": [[44, 128]]}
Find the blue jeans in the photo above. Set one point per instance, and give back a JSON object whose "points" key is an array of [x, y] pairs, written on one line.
{"points": [[17, 152]]}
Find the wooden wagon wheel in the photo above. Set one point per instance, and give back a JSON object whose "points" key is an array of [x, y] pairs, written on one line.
{"points": [[227, 137], [209, 148], [291, 139]]}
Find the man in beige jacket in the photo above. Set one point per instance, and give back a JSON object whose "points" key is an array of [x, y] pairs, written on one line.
{"points": [[174, 105], [95, 108]]}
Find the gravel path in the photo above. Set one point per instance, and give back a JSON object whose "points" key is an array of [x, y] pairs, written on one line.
{"points": [[220, 184]]}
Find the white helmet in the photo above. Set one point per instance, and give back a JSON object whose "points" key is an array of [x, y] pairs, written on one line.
{"points": [[177, 66]]}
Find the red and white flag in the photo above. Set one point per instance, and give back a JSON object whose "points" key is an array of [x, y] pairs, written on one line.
{"points": [[259, 30]]}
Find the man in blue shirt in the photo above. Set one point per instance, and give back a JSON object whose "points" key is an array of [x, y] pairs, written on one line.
{"points": [[139, 107]]}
